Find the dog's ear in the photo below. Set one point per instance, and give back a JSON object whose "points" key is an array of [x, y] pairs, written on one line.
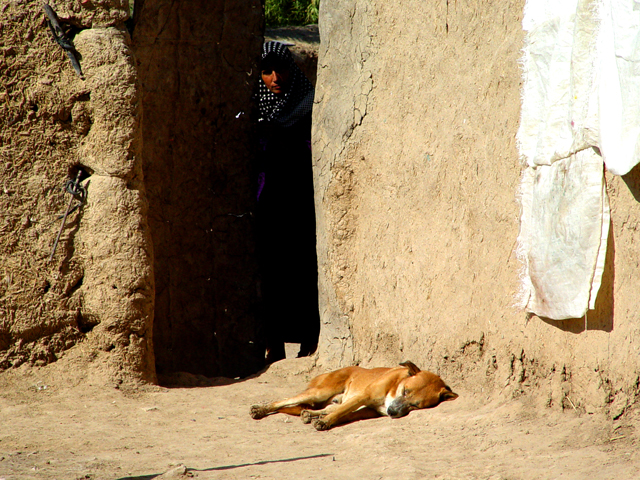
{"points": [[446, 394], [413, 370]]}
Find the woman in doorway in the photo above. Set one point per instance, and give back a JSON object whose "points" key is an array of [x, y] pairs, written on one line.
{"points": [[286, 214]]}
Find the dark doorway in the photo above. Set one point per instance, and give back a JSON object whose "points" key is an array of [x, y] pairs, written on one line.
{"points": [[196, 65], [285, 212]]}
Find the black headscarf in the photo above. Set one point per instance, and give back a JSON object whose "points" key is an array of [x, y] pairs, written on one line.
{"points": [[289, 107]]}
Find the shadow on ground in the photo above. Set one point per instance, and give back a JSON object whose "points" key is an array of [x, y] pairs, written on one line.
{"points": [[230, 467]]}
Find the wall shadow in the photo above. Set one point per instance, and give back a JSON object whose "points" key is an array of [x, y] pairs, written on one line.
{"points": [[194, 380], [601, 317], [632, 180]]}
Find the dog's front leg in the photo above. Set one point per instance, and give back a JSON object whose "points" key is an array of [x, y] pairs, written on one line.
{"points": [[342, 411], [308, 415]]}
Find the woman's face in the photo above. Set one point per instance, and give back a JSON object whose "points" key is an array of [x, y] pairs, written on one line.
{"points": [[275, 80]]}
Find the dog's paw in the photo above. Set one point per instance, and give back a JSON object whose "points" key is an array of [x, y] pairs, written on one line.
{"points": [[306, 416], [321, 425], [258, 412]]}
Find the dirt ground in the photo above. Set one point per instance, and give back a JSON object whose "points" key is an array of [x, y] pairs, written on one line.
{"points": [[53, 427]]}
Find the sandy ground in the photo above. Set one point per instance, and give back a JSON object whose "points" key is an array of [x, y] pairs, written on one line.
{"points": [[53, 429]]}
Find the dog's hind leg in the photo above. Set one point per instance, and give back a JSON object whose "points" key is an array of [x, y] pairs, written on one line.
{"points": [[297, 410], [312, 397]]}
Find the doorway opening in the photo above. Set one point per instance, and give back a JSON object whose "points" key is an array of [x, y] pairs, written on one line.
{"points": [[196, 90]]}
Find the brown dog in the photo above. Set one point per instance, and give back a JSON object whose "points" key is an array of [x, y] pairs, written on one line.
{"points": [[354, 393]]}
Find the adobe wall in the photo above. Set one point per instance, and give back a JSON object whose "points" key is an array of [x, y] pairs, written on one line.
{"points": [[97, 290], [164, 243], [417, 174]]}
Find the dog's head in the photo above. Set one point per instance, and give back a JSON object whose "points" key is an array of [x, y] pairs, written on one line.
{"points": [[421, 389]]}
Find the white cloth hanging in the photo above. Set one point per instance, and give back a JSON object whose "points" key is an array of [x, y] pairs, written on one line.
{"points": [[618, 80], [563, 235], [581, 89]]}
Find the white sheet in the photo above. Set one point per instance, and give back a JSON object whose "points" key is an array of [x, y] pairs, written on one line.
{"points": [[563, 236], [619, 84], [581, 89]]}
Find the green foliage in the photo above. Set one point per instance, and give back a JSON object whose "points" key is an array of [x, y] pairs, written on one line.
{"points": [[290, 12]]}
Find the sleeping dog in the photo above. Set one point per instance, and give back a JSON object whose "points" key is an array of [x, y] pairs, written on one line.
{"points": [[354, 393]]}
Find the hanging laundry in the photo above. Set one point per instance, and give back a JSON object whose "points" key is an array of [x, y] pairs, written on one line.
{"points": [[581, 89], [618, 80], [563, 235]]}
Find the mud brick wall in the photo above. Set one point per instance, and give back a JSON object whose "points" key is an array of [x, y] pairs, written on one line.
{"points": [[97, 291], [417, 174]]}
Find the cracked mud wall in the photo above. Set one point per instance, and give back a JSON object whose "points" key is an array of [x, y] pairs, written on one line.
{"points": [[197, 64], [416, 166], [97, 293]]}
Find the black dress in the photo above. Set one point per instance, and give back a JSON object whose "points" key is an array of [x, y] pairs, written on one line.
{"points": [[287, 239], [286, 214]]}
